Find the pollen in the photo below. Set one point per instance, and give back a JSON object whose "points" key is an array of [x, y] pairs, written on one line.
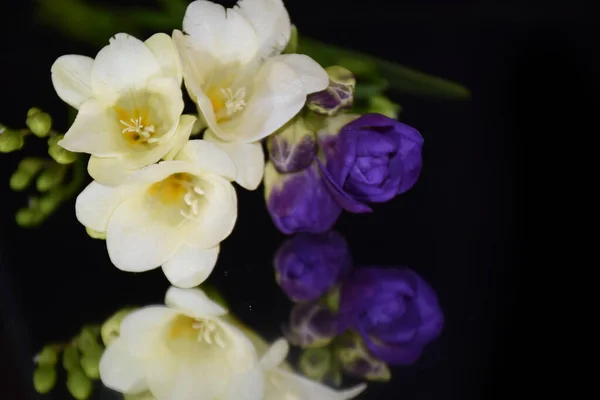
{"points": [[136, 126], [173, 189]]}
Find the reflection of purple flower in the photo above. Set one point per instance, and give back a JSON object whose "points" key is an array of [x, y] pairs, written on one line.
{"points": [[307, 265], [371, 160], [311, 325], [394, 310], [299, 201]]}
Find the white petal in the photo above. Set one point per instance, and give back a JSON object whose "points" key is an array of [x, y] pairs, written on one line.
{"points": [[126, 63], [292, 385], [161, 45], [96, 203], [248, 386], [313, 75], [71, 77], [276, 354], [193, 302], [217, 214], [222, 33], [209, 157], [196, 65], [248, 159], [95, 131], [143, 331], [137, 239], [157, 172], [110, 171], [189, 267], [271, 22], [279, 94], [181, 136], [120, 370]]}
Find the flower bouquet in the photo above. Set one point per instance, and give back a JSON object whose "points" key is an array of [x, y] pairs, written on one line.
{"points": [[307, 120]]}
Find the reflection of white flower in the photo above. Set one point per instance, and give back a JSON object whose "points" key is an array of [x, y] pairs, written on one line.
{"points": [[183, 351], [282, 384], [245, 90], [130, 103], [174, 214]]}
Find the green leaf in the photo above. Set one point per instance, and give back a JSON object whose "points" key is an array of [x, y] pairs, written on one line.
{"points": [[400, 78]]}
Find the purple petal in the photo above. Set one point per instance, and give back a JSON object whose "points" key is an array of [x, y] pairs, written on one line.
{"points": [[341, 197]]}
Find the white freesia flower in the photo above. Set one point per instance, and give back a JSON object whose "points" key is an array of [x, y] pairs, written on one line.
{"points": [[174, 213], [281, 384], [184, 351], [130, 103], [244, 88]]}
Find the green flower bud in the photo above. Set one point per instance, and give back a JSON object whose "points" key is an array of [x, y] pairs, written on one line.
{"points": [[10, 140], [383, 105], [27, 169], [44, 378], [58, 153], [87, 341], [79, 385], [111, 329], [38, 122], [316, 362], [338, 96], [95, 234], [49, 203], [51, 177], [48, 355], [27, 217], [355, 359], [90, 362], [70, 359]]}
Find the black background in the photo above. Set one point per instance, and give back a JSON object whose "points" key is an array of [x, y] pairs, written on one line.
{"points": [[460, 227]]}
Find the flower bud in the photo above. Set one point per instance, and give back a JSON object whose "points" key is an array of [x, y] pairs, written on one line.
{"points": [[48, 355], [28, 217], [316, 362], [38, 122], [44, 378], [292, 149], [338, 96], [51, 177], [10, 140], [87, 341], [90, 362], [70, 359], [79, 385], [311, 325], [111, 329], [383, 105], [355, 360], [95, 234], [27, 169], [58, 153], [49, 203]]}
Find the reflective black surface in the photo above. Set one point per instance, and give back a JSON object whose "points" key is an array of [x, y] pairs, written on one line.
{"points": [[459, 227]]}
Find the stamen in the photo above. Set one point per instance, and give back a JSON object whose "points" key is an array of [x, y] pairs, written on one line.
{"points": [[137, 126]]}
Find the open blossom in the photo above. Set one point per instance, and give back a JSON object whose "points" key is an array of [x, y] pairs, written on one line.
{"points": [[244, 88], [129, 104], [174, 213], [182, 351]]}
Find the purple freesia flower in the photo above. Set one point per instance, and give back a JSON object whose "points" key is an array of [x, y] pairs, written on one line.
{"points": [[371, 160], [307, 265], [299, 201], [311, 325], [394, 310]]}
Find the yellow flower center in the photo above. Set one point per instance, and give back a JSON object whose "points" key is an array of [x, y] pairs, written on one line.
{"points": [[136, 125], [226, 102], [189, 328], [180, 190]]}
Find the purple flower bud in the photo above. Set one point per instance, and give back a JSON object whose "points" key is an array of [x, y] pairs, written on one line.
{"points": [[371, 160], [307, 265], [292, 149], [300, 201], [395, 311], [311, 325], [338, 96], [355, 359]]}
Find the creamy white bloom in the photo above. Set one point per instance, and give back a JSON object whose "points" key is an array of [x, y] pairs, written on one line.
{"points": [[244, 88], [130, 103], [172, 214], [184, 351]]}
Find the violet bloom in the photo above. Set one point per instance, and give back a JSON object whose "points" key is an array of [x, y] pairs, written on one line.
{"points": [[371, 160], [394, 310], [307, 265]]}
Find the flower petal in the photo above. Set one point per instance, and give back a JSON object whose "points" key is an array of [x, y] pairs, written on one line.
{"points": [[121, 371], [181, 136], [71, 77], [95, 131], [249, 160], [193, 302], [209, 157], [313, 75], [298, 387], [217, 214], [270, 21], [110, 170], [143, 331], [161, 45], [276, 354], [190, 267], [126, 63], [96, 203], [139, 241], [279, 95], [223, 33]]}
